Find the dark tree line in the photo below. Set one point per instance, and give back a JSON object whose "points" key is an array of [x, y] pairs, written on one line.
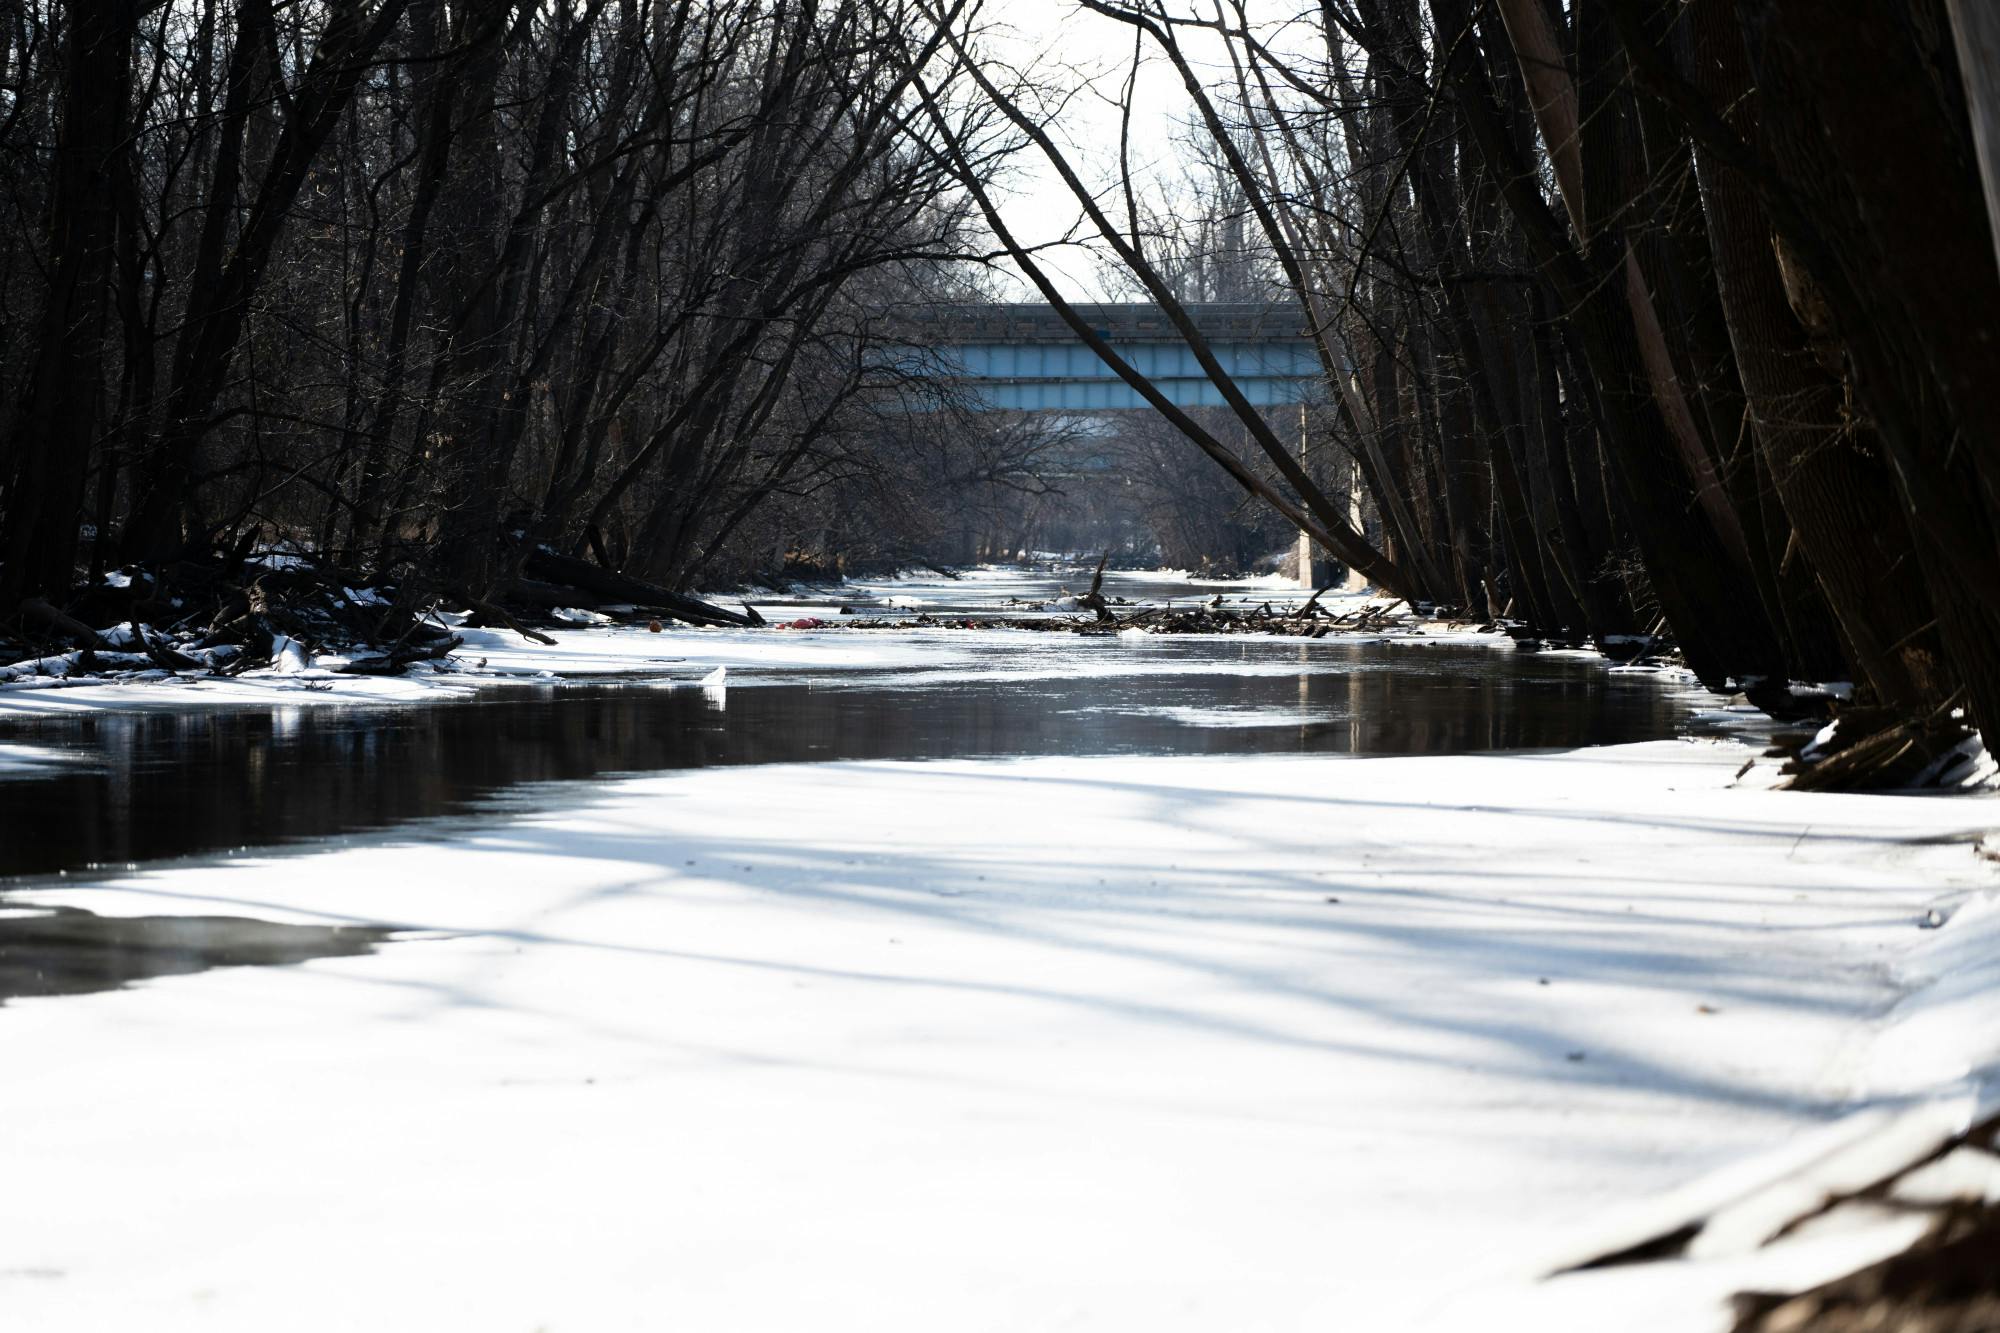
{"points": [[1630, 310], [423, 285]]}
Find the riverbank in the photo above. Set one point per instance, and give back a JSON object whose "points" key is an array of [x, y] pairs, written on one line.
{"points": [[810, 631], [1100, 1043]]}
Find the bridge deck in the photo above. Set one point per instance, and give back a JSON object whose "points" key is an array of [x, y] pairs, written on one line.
{"points": [[1026, 358], [1030, 322]]}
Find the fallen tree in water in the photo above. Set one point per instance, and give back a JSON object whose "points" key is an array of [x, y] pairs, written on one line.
{"points": [[1309, 621], [597, 588]]}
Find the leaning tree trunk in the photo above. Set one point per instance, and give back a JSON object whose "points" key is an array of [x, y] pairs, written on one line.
{"points": [[1826, 466], [1862, 114], [1975, 25], [1678, 261], [1699, 583]]}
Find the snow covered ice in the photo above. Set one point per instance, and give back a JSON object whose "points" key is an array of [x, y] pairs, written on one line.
{"points": [[1109, 1043]]}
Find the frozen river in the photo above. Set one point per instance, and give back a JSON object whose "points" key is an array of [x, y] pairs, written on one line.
{"points": [[933, 978], [144, 784]]}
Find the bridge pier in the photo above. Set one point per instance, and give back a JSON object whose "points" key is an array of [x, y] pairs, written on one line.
{"points": [[1355, 580], [1315, 569], [1316, 566]]}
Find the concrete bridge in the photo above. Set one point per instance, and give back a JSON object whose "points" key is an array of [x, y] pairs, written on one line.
{"points": [[1024, 358]]}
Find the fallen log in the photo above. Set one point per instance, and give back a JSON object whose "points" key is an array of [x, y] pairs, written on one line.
{"points": [[165, 657], [613, 586], [550, 597], [39, 612], [493, 615], [398, 660], [1875, 749], [84, 661]]}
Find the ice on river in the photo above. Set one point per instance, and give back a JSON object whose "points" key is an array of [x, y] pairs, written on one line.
{"points": [[1093, 1043], [681, 655]]}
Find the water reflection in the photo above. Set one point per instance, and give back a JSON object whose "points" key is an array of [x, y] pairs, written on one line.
{"points": [[68, 951], [168, 784]]}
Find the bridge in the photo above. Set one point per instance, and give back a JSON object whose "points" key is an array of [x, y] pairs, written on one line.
{"points": [[1025, 358]]}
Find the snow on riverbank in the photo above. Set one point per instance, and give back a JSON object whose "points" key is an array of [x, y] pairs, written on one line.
{"points": [[1110, 1043]]}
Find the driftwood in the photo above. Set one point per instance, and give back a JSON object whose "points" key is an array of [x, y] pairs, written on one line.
{"points": [[220, 614], [82, 662], [164, 656], [1943, 1282], [1211, 617], [1368, 617], [494, 615], [1873, 748], [1094, 599], [397, 659]]}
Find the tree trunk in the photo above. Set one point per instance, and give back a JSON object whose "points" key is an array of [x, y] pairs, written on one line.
{"points": [[1699, 585], [1976, 26], [56, 431], [223, 289], [1862, 116], [1827, 469]]}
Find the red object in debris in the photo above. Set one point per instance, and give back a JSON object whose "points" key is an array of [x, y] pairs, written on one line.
{"points": [[803, 622]]}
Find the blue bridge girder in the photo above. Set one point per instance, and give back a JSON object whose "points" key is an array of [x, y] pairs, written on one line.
{"points": [[1027, 358]]}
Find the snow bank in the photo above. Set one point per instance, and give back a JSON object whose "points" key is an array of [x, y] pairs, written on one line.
{"points": [[1945, 1033], [1114, 1043], [1916, 1077]]}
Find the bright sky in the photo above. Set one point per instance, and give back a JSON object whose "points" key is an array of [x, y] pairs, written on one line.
{"points": [[1064, 38]]}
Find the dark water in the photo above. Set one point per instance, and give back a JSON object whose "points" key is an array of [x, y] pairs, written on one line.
{"points": [[153, 785], [68, 951]]}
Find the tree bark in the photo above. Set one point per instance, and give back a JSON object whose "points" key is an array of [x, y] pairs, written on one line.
{"points": [[56, 430], [1862, 116], [1976, 26], [220, 296], [1828, 470], [1698, 583]]}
